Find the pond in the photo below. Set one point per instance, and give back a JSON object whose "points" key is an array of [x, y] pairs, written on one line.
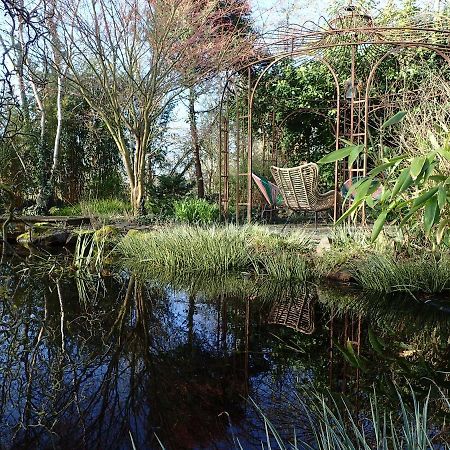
{"points": [[115, 361]]}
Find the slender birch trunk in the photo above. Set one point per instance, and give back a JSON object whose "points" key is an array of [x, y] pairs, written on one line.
{"points": [[56, 144], [42, 201]]}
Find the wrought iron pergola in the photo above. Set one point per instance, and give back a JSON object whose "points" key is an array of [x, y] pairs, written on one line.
{"points": [[360, 38]]}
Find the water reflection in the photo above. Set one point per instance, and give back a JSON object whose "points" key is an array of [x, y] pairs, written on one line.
{"points": [[295, 311], [133, 357], [85, 362]]}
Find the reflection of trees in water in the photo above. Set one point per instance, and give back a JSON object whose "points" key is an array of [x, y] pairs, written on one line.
{"points": [[79, 375], [84, 362], [399, 344], [344, 317]]}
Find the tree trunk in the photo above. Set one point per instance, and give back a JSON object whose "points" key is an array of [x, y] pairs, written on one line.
{"points": [[138, 193], [56, 48], [196, 145], [57, 141], [20, 73], [138, 198], [43, 196]]}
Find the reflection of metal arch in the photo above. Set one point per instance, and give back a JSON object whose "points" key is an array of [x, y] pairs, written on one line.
{"points": [[352, 31]]}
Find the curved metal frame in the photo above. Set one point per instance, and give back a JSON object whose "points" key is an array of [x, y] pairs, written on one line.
{"points": [[309, 43], [279, 127], [250, 131]]}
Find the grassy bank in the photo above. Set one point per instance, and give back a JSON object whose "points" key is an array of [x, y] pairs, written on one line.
{"points": [[393, 263], [384, 266], [218, 250], [427, 273]]}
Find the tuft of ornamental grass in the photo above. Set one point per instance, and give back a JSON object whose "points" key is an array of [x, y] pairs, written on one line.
{"points": [[214, 250], [348, 246], [186, 249], [286, 265], [91, 248], [387, 265], [332, 426], [429, 273]]}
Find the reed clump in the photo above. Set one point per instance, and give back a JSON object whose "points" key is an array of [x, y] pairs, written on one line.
{"points": [[382, 266], [390, 264], [333, 426], [92, 248], [216, 250], [428, 273], [349, 245]]}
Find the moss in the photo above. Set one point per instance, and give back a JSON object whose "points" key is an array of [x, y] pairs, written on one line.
{"points": [[107, 232], [38, 230], [24, 239]]}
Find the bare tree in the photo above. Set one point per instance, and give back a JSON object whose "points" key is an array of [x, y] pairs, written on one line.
{"points": [[131, 59], [31, 52], [20, 29]]}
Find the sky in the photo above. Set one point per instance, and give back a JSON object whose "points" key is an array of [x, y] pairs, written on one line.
{"points": [[270, 13]]}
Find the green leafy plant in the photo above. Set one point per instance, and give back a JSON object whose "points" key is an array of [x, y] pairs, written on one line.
{"points": [[164, 192], [196, 211], [412, 187]]}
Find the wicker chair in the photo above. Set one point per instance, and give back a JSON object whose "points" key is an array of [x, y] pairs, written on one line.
{"points": [[299, 187], [296, 312]]}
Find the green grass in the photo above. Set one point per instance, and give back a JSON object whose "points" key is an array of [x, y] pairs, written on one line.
{"points": [[429, 273], [375, 267], [349, 246], [390, 264], [72, 210], [216, 250], [93, 248], [334, 427], [285, 265], [104, 209]]}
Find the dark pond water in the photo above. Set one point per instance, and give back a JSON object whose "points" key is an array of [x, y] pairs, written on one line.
{"points": [[87, 362]]}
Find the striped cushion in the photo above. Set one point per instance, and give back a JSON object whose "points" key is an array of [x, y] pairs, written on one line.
{"points": [[269, 190]]}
